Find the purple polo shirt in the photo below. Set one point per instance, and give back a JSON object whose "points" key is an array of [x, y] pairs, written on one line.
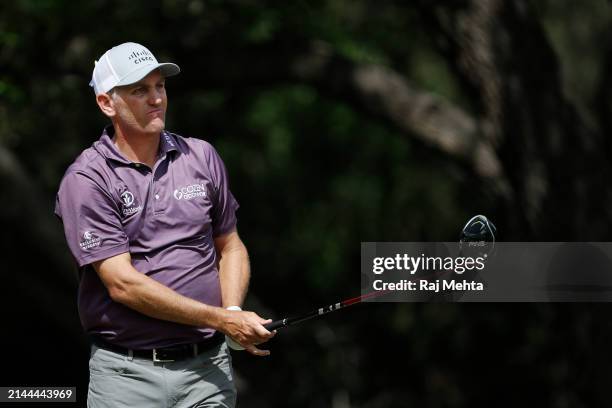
{"points": [[165, 217]]}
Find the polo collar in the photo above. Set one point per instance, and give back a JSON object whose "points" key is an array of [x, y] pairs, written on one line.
{"points": [[107, 148], [167, 142]]}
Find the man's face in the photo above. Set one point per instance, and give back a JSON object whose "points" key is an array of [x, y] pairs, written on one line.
{"points": [[142, 106]]}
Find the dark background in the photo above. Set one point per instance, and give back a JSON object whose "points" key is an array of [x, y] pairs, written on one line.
{"points": [[339, 121]]}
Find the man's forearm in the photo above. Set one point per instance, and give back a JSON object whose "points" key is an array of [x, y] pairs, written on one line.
{"points": [[145, 295], [234, 274], [139, 292], [234, 268], [153, 299]]}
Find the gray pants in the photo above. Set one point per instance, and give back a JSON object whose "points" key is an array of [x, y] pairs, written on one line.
{"points": [[117, 381]]}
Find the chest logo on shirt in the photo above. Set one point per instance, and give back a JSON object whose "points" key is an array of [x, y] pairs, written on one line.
{"points": [[190, 192], [128, 198], [129, 205]]}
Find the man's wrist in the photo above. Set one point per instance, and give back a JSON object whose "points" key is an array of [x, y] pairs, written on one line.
{"points": [[233, 344]]}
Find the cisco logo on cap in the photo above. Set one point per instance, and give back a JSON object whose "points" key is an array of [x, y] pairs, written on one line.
{"points": [[140, 56]]}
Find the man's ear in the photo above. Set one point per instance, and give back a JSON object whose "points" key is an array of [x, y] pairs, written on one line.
{"points": [[106, 104]]}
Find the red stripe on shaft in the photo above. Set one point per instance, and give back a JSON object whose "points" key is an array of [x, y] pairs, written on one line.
{"points": [[358, 299]]}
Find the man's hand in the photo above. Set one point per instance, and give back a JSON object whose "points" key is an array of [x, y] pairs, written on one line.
{"points": [[247, 329]]}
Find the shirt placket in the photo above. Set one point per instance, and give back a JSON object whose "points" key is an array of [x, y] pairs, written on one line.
{"points": [[150, 180], [156, 198]]}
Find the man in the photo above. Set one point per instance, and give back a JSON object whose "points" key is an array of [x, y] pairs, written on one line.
{"points": [[150, 220]]}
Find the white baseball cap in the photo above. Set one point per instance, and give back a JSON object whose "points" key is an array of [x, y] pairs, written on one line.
{"points": [[126, 64]]}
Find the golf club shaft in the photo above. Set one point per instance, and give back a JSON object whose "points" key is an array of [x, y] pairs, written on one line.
{"points": [[278, 324], [289, 321]]}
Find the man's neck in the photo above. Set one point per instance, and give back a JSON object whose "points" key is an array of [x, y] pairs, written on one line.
{"points": [[137, 147]]}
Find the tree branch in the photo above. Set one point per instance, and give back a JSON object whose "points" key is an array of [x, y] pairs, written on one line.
{"points": [[376, 90]]}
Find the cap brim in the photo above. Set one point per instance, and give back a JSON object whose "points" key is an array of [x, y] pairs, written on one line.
{"points": [[167, 69]]}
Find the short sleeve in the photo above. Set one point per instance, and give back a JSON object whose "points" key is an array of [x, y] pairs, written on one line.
{"points": [[224, 203], [91, 219]]}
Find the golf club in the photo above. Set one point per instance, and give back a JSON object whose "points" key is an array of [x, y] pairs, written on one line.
{"points": [[478, 228]]}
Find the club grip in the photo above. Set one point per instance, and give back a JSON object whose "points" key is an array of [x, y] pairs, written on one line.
{"points": [[277, 324]]}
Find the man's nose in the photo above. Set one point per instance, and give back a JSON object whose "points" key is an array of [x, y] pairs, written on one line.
{"points": [[155, 97]]}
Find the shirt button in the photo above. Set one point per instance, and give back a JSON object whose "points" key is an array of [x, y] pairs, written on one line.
{"points": [[157, 196]]}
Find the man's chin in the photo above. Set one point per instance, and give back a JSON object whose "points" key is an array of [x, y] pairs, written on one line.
{"points": [[155, 126]]}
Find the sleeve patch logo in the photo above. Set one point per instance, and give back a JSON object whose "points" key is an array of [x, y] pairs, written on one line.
{"points": [[89, 240]]}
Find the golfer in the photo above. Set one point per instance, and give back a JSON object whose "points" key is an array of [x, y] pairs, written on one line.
{"points": [[150, 220]]}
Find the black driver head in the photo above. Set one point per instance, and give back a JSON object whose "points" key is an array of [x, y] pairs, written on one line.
{"points": [[478, 236]]}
